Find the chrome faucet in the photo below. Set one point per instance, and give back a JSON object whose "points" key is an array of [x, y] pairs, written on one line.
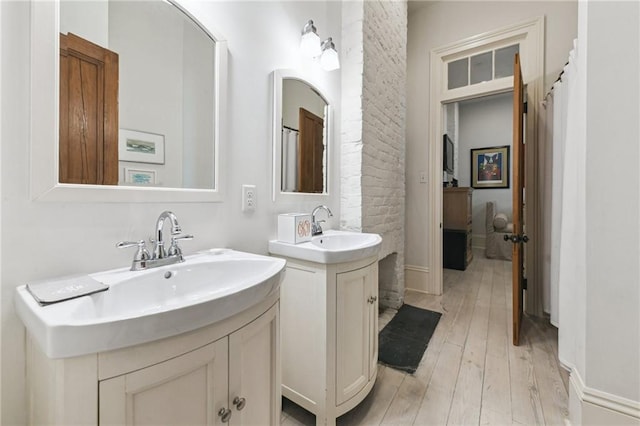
{"points": [[158, 251], [316, 229], [160, 257]]}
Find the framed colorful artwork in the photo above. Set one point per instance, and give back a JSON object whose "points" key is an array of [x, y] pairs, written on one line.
{"points": [[490, 167]]}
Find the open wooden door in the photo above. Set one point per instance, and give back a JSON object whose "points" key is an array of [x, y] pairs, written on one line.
{"points": [[518, 237]]}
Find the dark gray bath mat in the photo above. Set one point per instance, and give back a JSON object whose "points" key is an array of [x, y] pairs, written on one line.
{"points": [[405, 338]]}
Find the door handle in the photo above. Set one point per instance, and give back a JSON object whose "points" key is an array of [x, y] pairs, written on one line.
{"points": [[516, 238]]}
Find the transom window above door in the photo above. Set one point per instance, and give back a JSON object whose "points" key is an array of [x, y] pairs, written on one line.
{"points": [[481, 67]]}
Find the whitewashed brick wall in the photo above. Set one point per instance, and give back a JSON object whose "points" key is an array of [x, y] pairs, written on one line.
{"points": [[374, 57]]}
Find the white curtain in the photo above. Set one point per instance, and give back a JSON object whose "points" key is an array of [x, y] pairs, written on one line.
{"points": [[545, 190], [289, 160], [568, 221], [557, 107]]}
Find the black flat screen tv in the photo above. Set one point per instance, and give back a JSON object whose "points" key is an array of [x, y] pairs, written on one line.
{"points": [[447, 153]]}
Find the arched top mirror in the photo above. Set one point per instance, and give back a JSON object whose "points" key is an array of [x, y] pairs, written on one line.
{"points": [[301, 136], [135, 100]]}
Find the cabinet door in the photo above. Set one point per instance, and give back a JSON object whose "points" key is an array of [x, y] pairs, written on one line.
{"points": [[353, 334], [254, 373], [186, 390]]}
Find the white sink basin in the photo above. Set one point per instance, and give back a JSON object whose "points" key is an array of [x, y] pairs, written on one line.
{"points": [[331, 247], [142, 306]]}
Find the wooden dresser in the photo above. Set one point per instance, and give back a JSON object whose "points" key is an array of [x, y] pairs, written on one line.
{"points": [[456, 224]]}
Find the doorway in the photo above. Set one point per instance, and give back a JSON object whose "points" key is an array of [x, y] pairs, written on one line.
{"points": [[530, 38], [478, 123]]}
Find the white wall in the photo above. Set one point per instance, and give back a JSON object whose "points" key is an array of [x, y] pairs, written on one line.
{"points": [[485, 122], [87, 19], [612, 340], [198, 64], [1, 192], [50, 239], [437, 24]]}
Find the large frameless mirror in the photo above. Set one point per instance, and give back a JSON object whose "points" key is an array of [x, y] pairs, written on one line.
{"points": [[300, 136]]}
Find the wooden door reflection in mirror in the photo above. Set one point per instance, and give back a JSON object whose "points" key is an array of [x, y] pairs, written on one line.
{"points": [[311, 154], [88, 147]]}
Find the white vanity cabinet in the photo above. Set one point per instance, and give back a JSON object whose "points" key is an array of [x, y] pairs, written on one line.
{"points": [[228, 372], [182, 390], [329, 335]]}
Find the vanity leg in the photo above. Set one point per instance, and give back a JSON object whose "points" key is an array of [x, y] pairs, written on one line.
{"points": [[324, 420]]}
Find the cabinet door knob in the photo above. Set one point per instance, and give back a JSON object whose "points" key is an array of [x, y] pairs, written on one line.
{"points": [[239, 403], [225, 414]]}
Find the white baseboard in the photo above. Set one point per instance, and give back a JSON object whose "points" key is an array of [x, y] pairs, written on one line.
{"points": [[589, 406], [417, 278]]}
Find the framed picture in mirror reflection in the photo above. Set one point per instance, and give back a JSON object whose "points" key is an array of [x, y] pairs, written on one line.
{"points": [[140, 147], [138, 176]]}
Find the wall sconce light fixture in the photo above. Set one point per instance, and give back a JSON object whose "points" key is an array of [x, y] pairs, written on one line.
{"points": [[310, 41], [312, 48], [329, 57]]}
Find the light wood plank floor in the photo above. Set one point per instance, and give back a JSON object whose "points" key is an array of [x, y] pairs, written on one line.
{"points": [[470, 374]]}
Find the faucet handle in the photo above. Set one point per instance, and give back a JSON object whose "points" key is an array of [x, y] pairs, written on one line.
{"points": [[174, 249], [141, 254], [316, 229]]}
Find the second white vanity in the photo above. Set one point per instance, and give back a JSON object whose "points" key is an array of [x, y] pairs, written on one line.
{"points": [[329, 321]]}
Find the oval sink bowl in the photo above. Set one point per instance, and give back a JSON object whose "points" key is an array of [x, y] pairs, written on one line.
{"points": [[331, 247], [142, 306]]}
